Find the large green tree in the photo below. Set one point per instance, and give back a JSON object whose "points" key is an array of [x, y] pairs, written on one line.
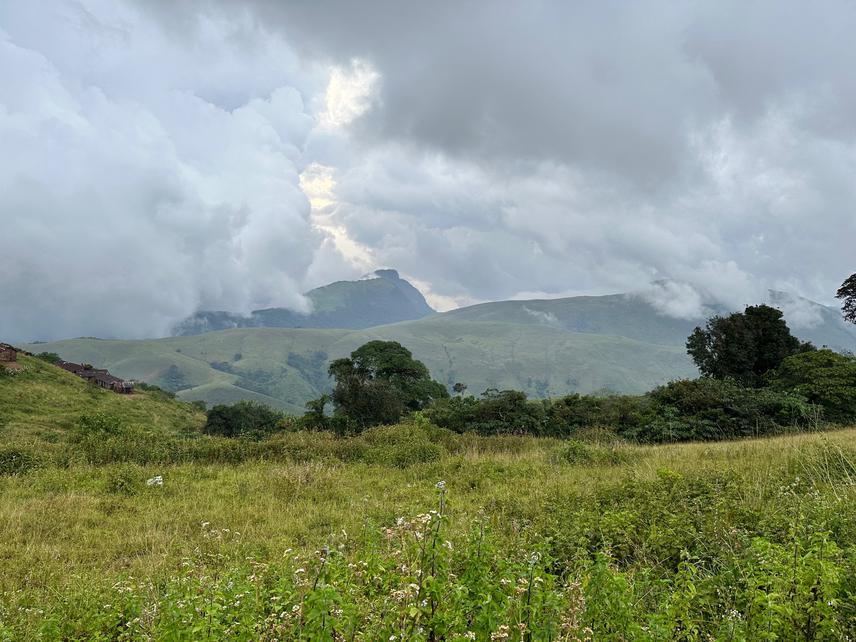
{"points": [[380, 382], [847, 294], [744, 346]]}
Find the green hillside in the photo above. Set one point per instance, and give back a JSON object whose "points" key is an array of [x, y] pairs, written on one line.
{"points": [[552, 347], [632, 317], [44, 401], [286, 367]]}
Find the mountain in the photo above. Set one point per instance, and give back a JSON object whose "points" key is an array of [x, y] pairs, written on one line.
{"points": [[631, 316], [548, 347], [376, 299]]}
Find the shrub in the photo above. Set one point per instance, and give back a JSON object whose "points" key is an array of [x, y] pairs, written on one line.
{"points": [[825, 378], [707, 409], [401, 445], [495, 412], [125, 479], [99, 424], [156, 391], [15, 460], [243, 419], [577, 452]]}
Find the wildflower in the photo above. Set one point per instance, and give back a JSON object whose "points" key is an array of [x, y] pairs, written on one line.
{"points": [[440, 485], [157, 480]]}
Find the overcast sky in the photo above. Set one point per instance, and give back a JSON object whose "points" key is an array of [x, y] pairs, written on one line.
{"points": [[160, 157]]}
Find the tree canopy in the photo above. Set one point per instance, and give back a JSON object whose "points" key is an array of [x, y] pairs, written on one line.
{"points": [[847, 294], [242, 419], [381, 381], [823, 377], [744, 346]]}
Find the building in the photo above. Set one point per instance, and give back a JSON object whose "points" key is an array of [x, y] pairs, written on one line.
{"points": [[8, 354], [98, 377]]}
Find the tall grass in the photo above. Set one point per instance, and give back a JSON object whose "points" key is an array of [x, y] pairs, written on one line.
{"points": [[528, 539]]}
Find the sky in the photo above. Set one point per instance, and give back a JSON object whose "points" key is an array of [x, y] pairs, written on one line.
{"points": [[158, 158]]}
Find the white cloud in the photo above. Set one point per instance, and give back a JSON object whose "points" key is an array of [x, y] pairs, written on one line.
{"points": [[349, 94], [142, 185], [234, 154]]}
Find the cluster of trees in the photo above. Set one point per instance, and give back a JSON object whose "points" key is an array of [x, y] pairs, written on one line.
{"points": [[757, 378]]}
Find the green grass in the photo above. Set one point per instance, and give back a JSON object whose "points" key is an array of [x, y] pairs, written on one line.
{"points": [[305, 536], [727, 539], [45, 402]]}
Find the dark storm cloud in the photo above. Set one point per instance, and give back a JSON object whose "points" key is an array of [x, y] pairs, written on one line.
{"points": [[488, 150]]}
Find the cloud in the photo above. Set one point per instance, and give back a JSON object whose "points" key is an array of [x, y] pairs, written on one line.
{"points": [[143, 178], [547, 318], [565, 149], [233, 154]]}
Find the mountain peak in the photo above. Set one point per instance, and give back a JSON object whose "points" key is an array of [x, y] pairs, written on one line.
{"points": [[388, 273], [378, 298]]}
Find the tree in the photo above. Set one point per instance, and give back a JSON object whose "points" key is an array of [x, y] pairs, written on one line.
{"points": [[314, 415], [380, 382], [825, 378], [243, 419], [459, 388], [847, 294], [173, 380], [744, 346]]}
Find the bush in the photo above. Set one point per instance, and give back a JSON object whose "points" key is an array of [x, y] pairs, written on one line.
{"points": [[15, 460], [577, 452], [156, 391], [125, 479], [401, 445], [707, 409], [243, 419], [825, 378], [495, 412], [98, 424]]}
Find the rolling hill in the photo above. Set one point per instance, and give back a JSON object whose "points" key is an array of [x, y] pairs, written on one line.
{"points": [[545, 347], [285, 367]]}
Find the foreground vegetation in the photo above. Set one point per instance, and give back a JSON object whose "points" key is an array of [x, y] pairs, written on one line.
{"points": [[142, 518], [526, 539]]}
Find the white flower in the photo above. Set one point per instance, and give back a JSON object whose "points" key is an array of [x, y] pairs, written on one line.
{"points": [[440, 485], [157, 480]]}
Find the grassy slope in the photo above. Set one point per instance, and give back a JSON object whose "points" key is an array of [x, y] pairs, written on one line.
{"points": [[541, 360], [45, 400], [631, 317]]}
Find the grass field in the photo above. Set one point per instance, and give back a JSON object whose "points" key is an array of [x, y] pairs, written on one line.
{"points": [[737, 541], [410, 532]]}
